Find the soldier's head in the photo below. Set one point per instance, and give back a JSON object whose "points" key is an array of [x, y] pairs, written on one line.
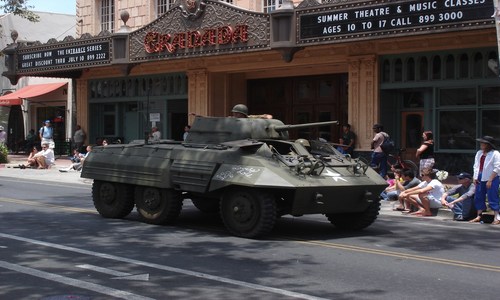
{"points": [[240, 111], [304, 143]]}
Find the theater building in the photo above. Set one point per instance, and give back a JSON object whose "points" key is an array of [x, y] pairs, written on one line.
{"points": [[410, 65]]}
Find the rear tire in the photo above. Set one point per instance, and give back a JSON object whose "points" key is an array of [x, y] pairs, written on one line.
{"points": [[248, 213], [356, 221], [112, 200], [158, 206]]}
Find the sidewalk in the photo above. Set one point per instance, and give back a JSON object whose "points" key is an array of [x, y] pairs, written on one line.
{"points": [[11, 169]]}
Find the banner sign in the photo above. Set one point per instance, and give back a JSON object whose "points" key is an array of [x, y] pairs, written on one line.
{"points": [[375, 18], [63, 57]]}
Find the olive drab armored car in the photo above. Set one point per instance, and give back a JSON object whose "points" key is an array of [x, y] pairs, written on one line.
{"points": [[243, 168]]}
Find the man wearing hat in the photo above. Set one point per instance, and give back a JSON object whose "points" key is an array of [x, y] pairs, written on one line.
{"points": [[3, 136], [486, 170], [47, 134], [463, 205]]}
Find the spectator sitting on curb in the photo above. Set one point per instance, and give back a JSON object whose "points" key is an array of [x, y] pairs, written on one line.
{"points": [[391, 178], [45, 158], [463, 205], [425, 196], [409, 181], [77, 165]]}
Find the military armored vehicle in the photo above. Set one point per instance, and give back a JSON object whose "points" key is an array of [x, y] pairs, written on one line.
{"points": [[243, 168]]}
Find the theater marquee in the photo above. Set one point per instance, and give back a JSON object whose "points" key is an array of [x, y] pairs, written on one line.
{"points": [[217, 28], [373, 18]]}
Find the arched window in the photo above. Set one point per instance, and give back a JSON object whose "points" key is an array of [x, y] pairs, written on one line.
{"points": [[477, 69], [436, 67], [424, 68], [492, 61], [398, 70], [410, 69], [450, 67], [464, 66]]}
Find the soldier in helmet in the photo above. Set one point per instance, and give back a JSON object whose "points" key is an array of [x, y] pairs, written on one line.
{"points": [[241, 111]]}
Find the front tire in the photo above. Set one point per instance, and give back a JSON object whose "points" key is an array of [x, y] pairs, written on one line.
{"points": [[158, 206], [355, 221], [248, 213], [112, 200]]}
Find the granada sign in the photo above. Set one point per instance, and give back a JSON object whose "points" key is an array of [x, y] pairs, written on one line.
{"points": [[155, 42]]}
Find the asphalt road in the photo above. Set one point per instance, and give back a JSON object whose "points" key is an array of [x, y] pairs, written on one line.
{"points": [[53, 245]]}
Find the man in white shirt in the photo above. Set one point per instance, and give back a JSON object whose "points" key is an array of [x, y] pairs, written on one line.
{"points": [[155, 136], [426, 195], [45, 158]]}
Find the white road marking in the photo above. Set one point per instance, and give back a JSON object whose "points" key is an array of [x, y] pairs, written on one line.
{"points": [[165, 268], [72, 282], [117, 274]]}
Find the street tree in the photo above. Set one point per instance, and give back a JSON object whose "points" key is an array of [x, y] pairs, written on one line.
{"points": [[20, 8]]}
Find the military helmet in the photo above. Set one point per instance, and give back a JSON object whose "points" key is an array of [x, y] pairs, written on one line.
{"points": [[303, 142], [240, 108]]}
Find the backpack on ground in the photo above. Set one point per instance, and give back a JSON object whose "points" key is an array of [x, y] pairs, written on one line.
{"points": [[388, 144]]}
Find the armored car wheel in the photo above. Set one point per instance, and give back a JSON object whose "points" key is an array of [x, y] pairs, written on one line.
{"points": [[248, 213], [206, 205], [112, 200], [158, 206], [355, 221]]}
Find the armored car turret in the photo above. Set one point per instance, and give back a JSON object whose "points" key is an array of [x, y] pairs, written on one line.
{"points": [[246, 169]]}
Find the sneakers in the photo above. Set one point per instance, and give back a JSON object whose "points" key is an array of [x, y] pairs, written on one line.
{"points": [[459, 218]]}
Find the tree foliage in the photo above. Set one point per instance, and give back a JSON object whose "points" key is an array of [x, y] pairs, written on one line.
{"points": [[19, 8]]}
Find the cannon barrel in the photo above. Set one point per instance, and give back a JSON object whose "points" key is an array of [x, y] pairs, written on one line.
{"points": [[280, 128]]}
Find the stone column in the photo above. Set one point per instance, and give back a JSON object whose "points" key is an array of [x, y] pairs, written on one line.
{"points": [[363, 109], [198, 92]]}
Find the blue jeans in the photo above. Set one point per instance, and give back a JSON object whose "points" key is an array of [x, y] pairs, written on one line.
{"points": [[465, 208], [379, 159]]}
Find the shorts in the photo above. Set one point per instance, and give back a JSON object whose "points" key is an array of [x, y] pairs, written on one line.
{"points": [[433, 202]]}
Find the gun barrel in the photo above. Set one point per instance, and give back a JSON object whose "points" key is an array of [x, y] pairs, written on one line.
{"points": [[295, 126]]}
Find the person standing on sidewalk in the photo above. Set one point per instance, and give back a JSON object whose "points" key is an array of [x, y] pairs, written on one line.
{"points": [[79, 137], [425, 153], [486, 170], [379, 158], [47, 135]]}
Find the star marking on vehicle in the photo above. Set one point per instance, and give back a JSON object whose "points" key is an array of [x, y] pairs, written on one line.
{"points": [[335, 176]]}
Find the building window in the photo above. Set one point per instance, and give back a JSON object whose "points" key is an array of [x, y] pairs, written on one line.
{"points": [[270, 5], [108, 15], [162, 6]]}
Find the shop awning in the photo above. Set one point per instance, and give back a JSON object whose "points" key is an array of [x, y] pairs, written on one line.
{"points": [[30, 91]]}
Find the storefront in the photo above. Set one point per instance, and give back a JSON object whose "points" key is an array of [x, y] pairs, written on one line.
{"points": [[30, 106], [412, 65]]}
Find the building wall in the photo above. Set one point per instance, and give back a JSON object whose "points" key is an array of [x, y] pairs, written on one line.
{"points": [[141, 12]]}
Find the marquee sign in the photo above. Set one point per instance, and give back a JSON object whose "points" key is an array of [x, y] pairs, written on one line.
{"points": [[55, 57], [155, 42], [199, 28], [381, 18]]}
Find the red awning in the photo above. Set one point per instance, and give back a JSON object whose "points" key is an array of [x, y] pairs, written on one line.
{"points": [[29, 91]]}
